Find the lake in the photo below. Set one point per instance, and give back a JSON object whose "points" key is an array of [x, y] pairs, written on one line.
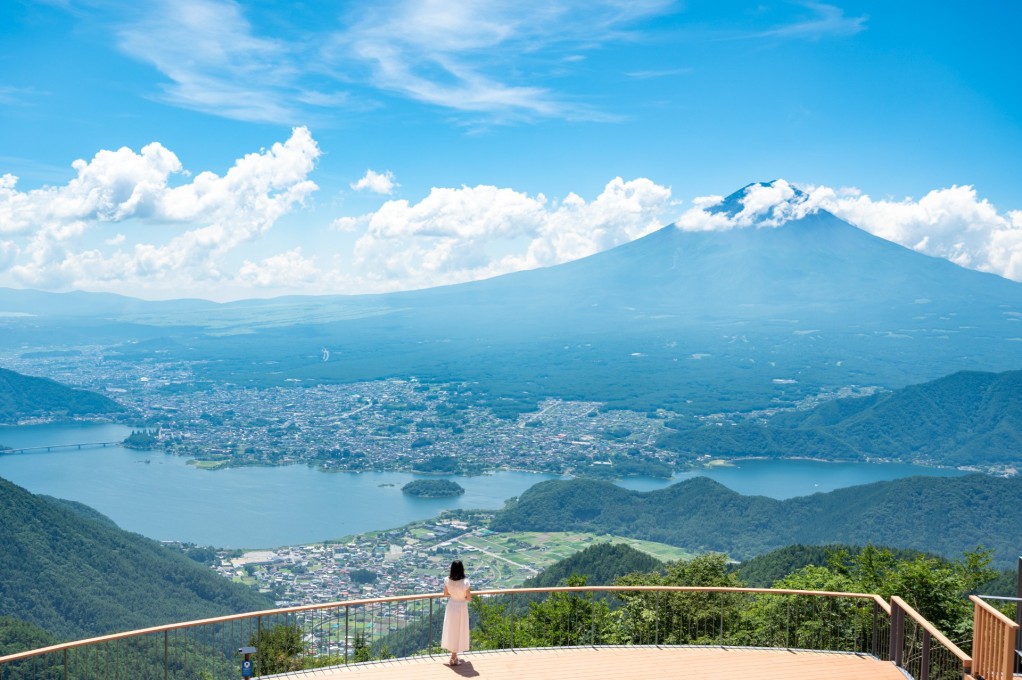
{"points": [[162, 497]]}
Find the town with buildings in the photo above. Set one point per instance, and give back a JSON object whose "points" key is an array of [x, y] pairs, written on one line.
{"points": [[377, 425], [411, 559]]}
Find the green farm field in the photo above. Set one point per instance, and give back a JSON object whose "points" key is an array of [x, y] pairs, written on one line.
{"points": [[510, 558]]}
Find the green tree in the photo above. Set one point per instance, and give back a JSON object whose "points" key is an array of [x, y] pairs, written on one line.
{"points": [[812, 621], [937, 589], [279, 649], [560, 619], [681, 618], [363, 650], [17, 636]]}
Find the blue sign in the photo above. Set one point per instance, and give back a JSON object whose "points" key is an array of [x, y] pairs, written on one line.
{"points": [[246, 669]]}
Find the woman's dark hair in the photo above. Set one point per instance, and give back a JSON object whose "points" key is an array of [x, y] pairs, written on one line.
{"points": [[457, 570]]}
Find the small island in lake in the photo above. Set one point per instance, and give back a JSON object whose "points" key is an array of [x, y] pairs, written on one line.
{"points": [[143, 440], [433, 488]]}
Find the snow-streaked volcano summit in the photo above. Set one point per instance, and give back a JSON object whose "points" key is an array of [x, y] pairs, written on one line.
{"points": [[757, 204], [953, 223]]}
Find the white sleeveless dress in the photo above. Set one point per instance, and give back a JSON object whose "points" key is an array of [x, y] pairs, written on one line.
{"points": [[455, 634]]}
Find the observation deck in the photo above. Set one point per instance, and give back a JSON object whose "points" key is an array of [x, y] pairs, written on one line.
{"points": [[587, 632], [613, 663]]}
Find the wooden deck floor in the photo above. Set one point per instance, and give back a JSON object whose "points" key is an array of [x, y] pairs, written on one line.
{"points": [[648, 663]]}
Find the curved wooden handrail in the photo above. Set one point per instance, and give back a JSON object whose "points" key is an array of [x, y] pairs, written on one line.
{"points": [[166, 628], [691, 589], [934, 633]]}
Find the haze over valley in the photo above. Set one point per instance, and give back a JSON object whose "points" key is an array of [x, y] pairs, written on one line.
{"points": [[576, 368]]}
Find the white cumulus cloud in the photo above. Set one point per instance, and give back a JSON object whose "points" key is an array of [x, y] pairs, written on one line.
{"points": [[285, 270], [951, 223], [205, 219], [463, 234], [375, 182]]}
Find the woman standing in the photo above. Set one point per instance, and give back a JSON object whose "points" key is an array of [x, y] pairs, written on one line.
{"points": [[455, 634]]}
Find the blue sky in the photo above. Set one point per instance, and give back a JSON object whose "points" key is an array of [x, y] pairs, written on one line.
{"points": [[240, 149]]}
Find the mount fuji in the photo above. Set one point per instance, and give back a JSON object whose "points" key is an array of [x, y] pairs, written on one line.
{"points": [[692, 321]]}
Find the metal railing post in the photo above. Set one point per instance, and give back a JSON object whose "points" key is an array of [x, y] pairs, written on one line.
{"points": [[656, 620], [347, 610], [874, 642], [512, 621], [259, 642], [166, 655], [897, 631], [924, 664], [721, 635]]}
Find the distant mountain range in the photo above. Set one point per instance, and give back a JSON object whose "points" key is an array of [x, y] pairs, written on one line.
{"points": [[941, 515], [968, 418], [71, 571], [23, 396], [696, 322]]}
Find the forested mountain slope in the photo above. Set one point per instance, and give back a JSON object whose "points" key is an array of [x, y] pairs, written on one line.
{"points": [[968, 418], [940, 515], [22, 396], [75, 574]]}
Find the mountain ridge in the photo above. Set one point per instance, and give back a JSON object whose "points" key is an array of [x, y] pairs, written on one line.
{"points": [[965, 419], [23, 396], [700, 514]]}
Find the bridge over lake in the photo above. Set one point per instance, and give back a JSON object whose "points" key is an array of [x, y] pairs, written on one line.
{"points": [[56, 447]]}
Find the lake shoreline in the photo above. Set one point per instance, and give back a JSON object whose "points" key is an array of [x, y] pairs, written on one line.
{"points": [[294, 504]]}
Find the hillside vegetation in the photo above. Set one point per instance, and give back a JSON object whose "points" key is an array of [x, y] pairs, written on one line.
{"points": [[940, 515], [17, 636], [765, 570], [72, 572], [936, 588], [600, 564], [22, 396], [963, 419]]}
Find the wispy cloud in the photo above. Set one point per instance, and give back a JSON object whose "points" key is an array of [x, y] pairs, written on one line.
{"points": [[489, 59], [11, 96], [216, 63], [661, 73], [475, 56], [823, 21]]}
